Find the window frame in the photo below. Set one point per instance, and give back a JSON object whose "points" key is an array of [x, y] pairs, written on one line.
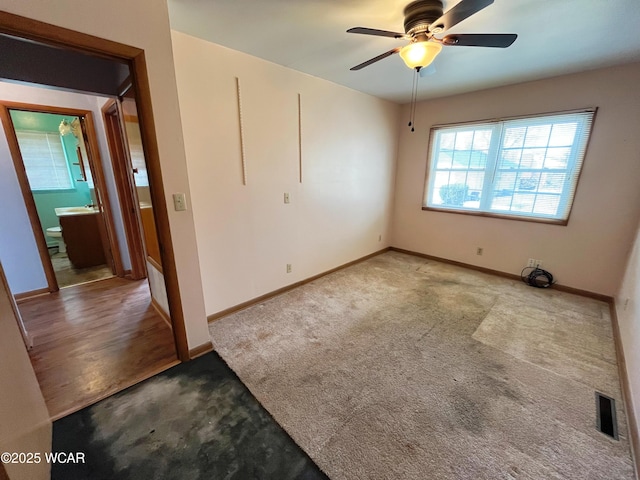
{"points": [[490, 172]]}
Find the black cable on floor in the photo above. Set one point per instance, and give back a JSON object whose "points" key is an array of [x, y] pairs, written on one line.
{"points": [[537, 277]]}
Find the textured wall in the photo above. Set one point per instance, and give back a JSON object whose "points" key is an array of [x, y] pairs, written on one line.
{"points": [[628, 309], [247, 234]]}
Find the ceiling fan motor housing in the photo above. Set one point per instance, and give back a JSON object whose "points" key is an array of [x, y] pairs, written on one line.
{"points": [[420, 14], [423, 19]]}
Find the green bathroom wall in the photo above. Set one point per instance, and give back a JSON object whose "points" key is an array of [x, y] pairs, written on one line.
{"points": [[47, 201]]}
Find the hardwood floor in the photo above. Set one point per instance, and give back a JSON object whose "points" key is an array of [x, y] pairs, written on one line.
{"points": [[92, 340]]}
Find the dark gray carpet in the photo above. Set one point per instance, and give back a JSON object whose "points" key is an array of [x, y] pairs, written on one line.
{"points": [[194, 421]]}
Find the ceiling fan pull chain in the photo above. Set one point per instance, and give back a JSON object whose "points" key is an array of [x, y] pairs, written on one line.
{"points": [[413, 87], [414, 98]]}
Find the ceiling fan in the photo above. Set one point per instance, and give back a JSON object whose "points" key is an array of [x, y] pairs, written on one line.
{"points": [[423, 19]]}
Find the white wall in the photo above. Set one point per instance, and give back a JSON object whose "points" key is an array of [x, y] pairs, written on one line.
{"points": [[144, 24], [590, 252], [23, 414], [246, 234], [18, 251], [628, 310]]}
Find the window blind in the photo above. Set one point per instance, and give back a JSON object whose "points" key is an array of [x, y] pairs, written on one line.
{"points": [[526, 167], [44, 160]]}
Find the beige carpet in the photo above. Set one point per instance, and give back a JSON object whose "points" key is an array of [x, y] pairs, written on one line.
{"points": [[403, 368]]}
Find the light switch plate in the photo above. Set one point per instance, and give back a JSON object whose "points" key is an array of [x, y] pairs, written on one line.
{"points": [[179, 202]]}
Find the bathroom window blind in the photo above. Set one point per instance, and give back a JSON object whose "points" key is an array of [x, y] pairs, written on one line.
{"points": [[44, 160]]}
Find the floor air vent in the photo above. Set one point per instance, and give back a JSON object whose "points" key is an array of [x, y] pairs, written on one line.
{"points": [[606, 415]]}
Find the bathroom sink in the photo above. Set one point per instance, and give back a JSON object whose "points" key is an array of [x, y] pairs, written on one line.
{"points": [[62, 211]]}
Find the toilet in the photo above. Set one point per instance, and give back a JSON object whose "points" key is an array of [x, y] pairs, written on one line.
{"points": [[56, 233]]}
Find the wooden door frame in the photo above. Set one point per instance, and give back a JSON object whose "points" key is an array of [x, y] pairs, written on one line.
{"points": [[121, 164], [60, 37], [26, 337], [95, 164]]}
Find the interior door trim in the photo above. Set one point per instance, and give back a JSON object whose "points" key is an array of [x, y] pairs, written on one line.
{"points": [[121, 164], [97, 171]]}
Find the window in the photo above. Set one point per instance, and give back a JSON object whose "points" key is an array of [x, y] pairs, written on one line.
{"points": [[137, 153], [44, 160], [521, 167]]}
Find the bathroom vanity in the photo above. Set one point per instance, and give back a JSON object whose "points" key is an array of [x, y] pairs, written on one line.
{"points": [[81, 233]]}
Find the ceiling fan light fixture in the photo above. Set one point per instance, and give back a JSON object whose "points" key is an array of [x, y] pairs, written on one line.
{"points": [[65, 127], [420, 54]]}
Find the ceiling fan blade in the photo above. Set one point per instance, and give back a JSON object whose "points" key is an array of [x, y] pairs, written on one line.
{"points": [[497, 40], [373, 31], [375, 59], [461, 11]]}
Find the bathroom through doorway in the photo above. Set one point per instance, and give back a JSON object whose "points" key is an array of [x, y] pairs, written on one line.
{"points": [[60, 173]]}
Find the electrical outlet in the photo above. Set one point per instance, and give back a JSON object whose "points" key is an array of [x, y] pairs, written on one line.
{"points": [[534, 263], [287, 198], [179, 202], [479, 251], [288, 268]]}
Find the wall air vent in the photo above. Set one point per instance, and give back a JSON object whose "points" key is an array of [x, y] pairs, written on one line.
{"points": [[606, 415]]}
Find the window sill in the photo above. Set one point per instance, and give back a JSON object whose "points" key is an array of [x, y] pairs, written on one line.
{"points": [[548, 221], [55, 190]]}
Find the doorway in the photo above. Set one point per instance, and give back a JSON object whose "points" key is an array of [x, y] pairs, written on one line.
{"points": [[66, 184], [101, 299], [130, 168], [33, 35], [89, 340]]}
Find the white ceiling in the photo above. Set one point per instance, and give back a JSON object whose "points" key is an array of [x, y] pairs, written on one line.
{"points": [[554, 37]]}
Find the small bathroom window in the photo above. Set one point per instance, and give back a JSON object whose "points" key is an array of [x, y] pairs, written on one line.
{"points": [[44, 160]]}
